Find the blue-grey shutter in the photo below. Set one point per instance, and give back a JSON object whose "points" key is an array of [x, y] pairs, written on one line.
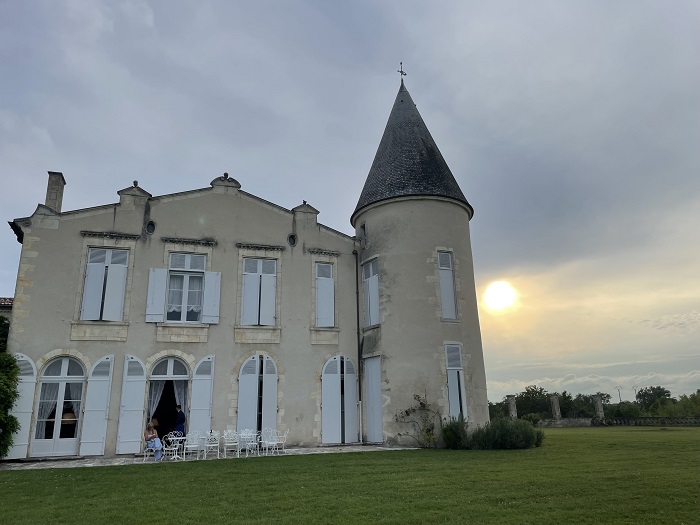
{"points": [[212, 294], [269, 400], [23, 407], [99, 386], [350, 403], [268, 294], [373, 398], [248, 394], [131, 410], [325, 296], [373, 300], [200, 403], [157, 286], [92, 292], [249, 299], [330, 401], [114, 293], [455, 391], [447, 286]]}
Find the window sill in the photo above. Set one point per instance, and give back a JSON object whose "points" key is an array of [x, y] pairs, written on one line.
{"points": [[324, 335], [99, 331], [182, 332], [370, 328], [257, 334], [453, 321]]}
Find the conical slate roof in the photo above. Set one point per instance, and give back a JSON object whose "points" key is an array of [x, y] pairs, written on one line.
{"points": [[408, 162]]}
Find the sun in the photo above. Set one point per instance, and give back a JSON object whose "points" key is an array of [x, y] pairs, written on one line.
{"points": [[500, 295]]}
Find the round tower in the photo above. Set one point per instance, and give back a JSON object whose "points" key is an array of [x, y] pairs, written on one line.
{"points": [[419, 321]]}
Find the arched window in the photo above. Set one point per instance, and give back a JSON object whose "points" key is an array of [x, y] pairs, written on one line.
{"points": [[58, 413], [168, 388]]}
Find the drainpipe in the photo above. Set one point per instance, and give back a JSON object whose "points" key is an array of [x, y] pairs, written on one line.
{"points": [[360, 365]]}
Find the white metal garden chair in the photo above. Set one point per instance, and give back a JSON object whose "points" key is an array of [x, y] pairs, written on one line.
{"points": [[230, 442], [171, 445], [211, 444], [249, 439], [192, 444], [269, 441]]}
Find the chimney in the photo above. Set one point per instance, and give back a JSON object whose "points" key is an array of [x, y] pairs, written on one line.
{"points": [[54, 191]]}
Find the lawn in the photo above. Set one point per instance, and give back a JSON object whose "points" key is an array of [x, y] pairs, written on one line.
{"points": [[632, 475]]}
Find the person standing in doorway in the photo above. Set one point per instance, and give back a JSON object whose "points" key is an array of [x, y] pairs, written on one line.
{"points": [[180, 420]]}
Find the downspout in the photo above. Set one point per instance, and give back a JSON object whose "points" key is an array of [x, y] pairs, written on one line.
{"points": [[360, 364]]}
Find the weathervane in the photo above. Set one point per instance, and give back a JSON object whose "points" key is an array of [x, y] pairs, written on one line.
{"points": [[400, 70]]}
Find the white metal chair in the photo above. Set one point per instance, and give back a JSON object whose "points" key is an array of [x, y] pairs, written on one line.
{"points": [[211, 444], [192, 444], [248, 438], [282, 440], [230, 442], [269, 441], [170, 445]]}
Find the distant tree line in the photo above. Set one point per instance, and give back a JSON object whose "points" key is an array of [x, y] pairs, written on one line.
{"points": [[534, 404]]}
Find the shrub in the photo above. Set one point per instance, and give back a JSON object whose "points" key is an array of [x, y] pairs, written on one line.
{"points": [[503, 434], [532, 417], [454, 433], [424, 422], [9, 376]]}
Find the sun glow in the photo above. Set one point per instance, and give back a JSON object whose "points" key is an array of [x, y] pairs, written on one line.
{"points": [[500, 295]]}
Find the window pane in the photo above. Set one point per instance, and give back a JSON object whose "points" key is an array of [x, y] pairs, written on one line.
{"points": [[120, 257], [194, 297], [175, 294], [445, 260], [54, 369], [269, 266], [250, 265], [161, 369], [324, 270], [74, 368], [97, 255], [177, 260], [179, 369], [198, 262]]}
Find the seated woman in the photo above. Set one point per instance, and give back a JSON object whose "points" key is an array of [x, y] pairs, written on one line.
{"points": [[152, 441]]}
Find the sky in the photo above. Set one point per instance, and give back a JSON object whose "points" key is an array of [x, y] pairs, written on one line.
{"points": [[572, 127]]}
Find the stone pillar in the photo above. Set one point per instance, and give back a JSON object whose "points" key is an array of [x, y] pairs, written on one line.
{"points": [[556, 411], [599, 413], [54, 191], [512, 409]]}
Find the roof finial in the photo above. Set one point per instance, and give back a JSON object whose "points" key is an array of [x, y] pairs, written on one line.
{"points": [[401, 71]]}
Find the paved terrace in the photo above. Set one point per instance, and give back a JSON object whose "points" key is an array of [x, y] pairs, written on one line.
{"points": [[96, 461]]}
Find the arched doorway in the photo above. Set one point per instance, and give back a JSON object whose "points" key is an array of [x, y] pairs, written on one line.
{"points": [[167, 389], [257, 394], [339, 401], [58, 412]]}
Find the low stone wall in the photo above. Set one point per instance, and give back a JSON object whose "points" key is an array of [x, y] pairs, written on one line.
{"points": [[654, 421], [565, 422]]}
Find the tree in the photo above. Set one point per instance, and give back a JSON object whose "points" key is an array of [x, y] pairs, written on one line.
{"points": [[534, 400], [4, 332], [649, 395], [9, 377]]}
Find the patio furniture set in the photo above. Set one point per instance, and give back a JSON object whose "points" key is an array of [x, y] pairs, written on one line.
{"points": [[176, 446]]}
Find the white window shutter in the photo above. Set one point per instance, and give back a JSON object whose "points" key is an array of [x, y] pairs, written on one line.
{"points": [[114, 293], [373, 300], [248, 394], [157, 285], [447, 294], [269, 400], [92, 292], [92, 438], [325, 302], [200, 403], [268, 290], [330, 401], [350, 403], [131, 412], [212, 295], [249, 299]]}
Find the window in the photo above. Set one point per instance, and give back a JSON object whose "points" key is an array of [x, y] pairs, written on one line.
{"points": [[325, 296], [370, 284], [185, 292], [447, 286], [455, 380], [259, 292], [185, 287], [105, 285]]}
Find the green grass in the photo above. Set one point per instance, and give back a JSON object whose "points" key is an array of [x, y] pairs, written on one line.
{"points": [[579, 476]]}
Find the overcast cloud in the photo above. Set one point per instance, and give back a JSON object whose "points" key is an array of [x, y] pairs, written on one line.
{"points": [[572, 128]]}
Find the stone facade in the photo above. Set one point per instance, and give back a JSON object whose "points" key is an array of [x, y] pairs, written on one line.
{"points": [[243, 311]]}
